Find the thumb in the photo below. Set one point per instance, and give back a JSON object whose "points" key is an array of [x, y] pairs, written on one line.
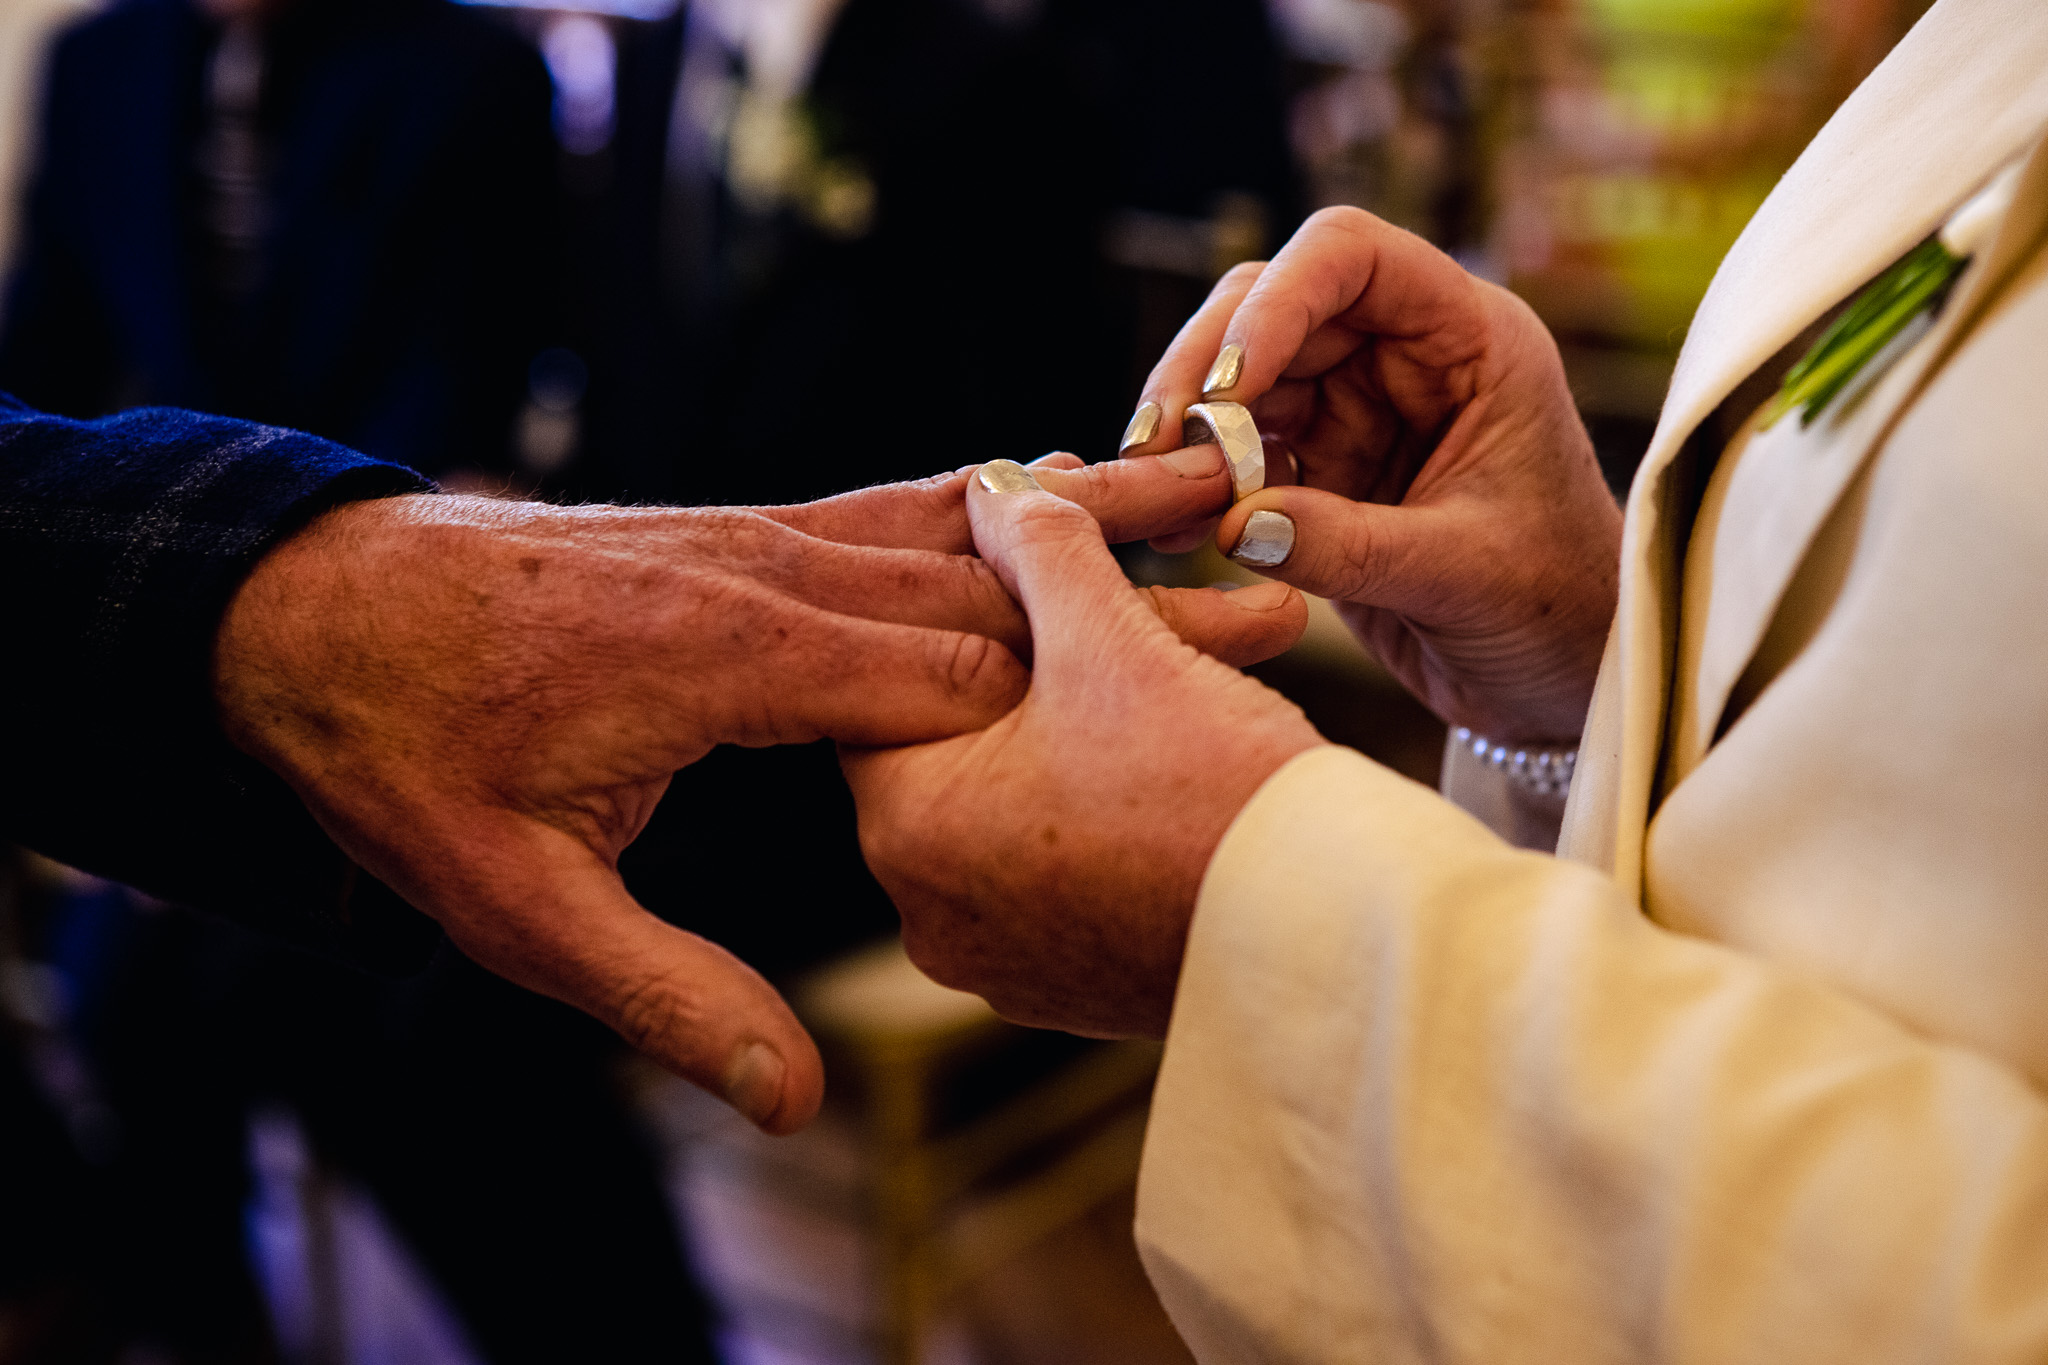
{"points": [[1328, 545], [546, 911], [1241, 627], [1051, 555]]}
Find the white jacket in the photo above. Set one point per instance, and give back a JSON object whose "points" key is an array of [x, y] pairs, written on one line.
{"points": [[1757, 1071]]}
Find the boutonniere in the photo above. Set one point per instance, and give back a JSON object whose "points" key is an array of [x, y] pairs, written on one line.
{"points": [[1918, 284]]}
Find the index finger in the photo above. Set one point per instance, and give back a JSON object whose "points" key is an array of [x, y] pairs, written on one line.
{"points": [[1344, 278], [1131, 499], [922, 514], [1176, 381]]}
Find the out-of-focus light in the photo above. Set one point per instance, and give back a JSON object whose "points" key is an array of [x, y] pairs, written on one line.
{"points": [[557, 379], [773, 160], [1198, 248], [583, 61], [551, 425], [617, 9], [1368, 35]]}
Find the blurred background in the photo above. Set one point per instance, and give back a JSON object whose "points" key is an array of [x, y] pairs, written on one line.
{"points": [[726, 252]]}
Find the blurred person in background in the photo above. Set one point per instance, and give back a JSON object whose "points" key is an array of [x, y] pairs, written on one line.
{"points": [[835, 176], [340, 216], [334, 216], [26, 30]]}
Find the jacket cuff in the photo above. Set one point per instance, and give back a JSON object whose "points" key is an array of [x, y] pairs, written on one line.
{"points": [[126, 538]]}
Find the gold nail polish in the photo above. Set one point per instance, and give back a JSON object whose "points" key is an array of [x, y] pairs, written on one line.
{"points": [[1006, 476], [1223, 374], [1144, 426], [1267, 540]]}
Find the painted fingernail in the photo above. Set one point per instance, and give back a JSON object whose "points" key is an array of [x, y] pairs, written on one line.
{"points": [[1223, 374], [1007, 476], [753, 1081], [1267, 540], [1144, 426], [1196, 462]]}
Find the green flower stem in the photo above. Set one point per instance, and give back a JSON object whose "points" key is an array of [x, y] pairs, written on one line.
{"points": [[1879, 314]]}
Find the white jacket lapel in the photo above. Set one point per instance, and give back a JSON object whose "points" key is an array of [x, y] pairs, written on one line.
{"points": [[1776, 504], [1959, 96]]}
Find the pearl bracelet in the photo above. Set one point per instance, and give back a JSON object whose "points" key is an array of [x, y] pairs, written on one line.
{"points": [[1541, 772]]}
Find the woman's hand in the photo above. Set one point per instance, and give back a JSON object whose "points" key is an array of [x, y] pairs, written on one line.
{"points": [[1446, 497], [1050, 862]]}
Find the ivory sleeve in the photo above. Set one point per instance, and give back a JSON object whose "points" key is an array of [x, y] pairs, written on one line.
{"points": [[1427, 1097]]}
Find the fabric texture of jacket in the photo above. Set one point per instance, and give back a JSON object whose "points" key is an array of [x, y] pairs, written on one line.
{"points": [[121, 542]]}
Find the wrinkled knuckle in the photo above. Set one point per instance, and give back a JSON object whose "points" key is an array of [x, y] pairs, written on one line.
{"points": [[968, 663], [1244, 272], [656, 1016], [985, 593], [744, 537], [1340, 218], [949, 484], [940, 492], [1165, 603], [1093, 484], [731, 524], [1051, 519], [1361, 561]]}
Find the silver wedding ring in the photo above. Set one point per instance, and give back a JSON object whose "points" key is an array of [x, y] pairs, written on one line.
{"points": [[1230, 426]]}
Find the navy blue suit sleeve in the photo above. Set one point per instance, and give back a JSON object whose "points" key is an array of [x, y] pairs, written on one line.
{"points": [[121, 542]]}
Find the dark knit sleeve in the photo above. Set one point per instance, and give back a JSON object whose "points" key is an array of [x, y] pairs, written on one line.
{"points": [[121, 542]]}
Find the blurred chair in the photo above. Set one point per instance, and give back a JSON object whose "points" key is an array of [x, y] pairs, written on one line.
{"points": [[980, 1137]]}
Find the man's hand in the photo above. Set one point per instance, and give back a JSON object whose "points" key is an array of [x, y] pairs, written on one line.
{"points": [[482, 702], [1051, 861], [1448, 497]]}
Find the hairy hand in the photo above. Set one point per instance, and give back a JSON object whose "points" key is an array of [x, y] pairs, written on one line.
{"points": [[482, 702], [1050, 862], [1445, 493]]}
